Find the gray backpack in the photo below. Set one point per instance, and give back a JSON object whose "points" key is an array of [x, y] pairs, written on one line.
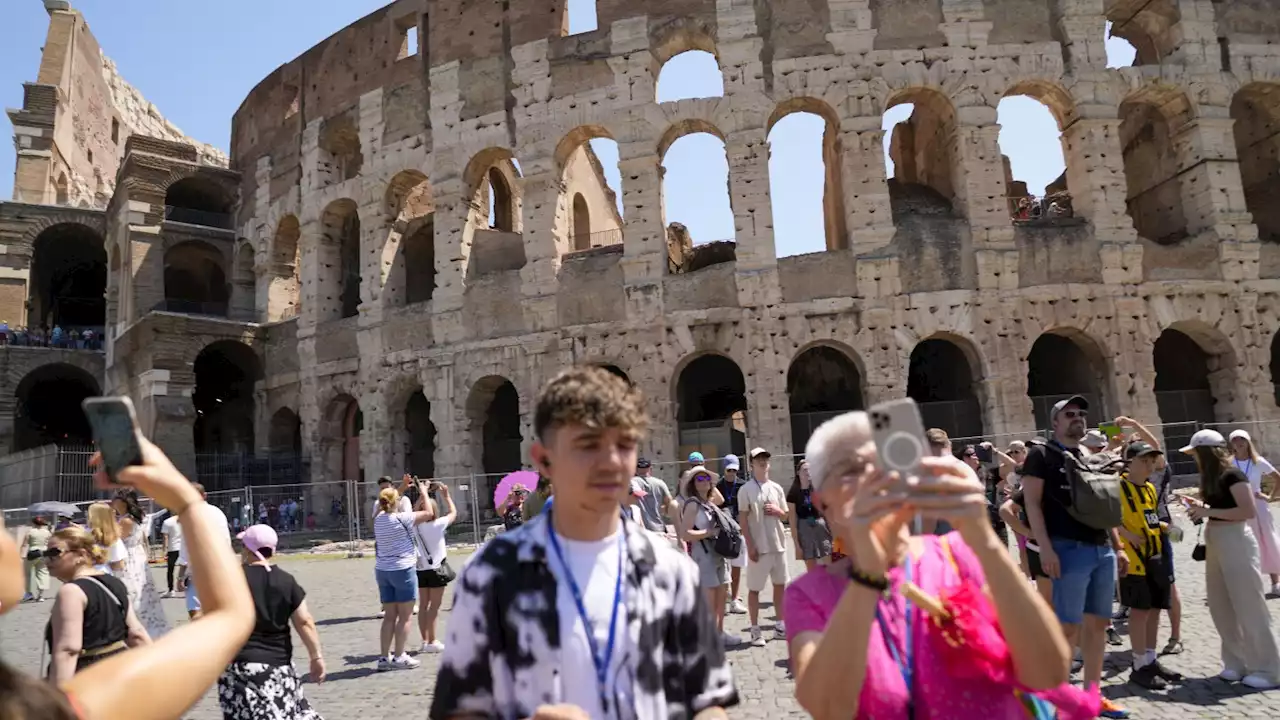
{"points": [[1094, 488]]}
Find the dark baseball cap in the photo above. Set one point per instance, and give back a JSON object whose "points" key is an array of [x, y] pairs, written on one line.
{"points": [[1139, 449], [642, 463], [385, 479], [1077, 400]]}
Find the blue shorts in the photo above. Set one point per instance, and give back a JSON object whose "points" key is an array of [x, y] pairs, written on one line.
{"points": [[1087, 583], [193, 600], [397, 586]]}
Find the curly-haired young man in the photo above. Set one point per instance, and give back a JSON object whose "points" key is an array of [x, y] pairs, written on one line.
{"points": [[581, 612]]}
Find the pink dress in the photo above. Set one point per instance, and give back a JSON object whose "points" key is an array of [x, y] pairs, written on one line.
{"points": [[1263, 524], [939, 694]]}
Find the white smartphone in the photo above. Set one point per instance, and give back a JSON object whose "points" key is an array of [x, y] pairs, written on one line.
{"points": [[900, 443], [115, 432]]}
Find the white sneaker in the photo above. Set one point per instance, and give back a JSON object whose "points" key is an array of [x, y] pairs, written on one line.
{"points": [[779, 631], [736, 607], [434, 646], [404, 662], [1258, 682], [729, 639], [757, 637], [415, 608], [382, 614], [384, 664], [1275, 590], [1229, 675]]}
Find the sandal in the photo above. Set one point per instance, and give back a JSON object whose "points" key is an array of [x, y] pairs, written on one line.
{"points": [[1173, 647]]}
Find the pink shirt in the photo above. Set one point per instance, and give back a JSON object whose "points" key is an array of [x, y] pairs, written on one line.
{"points": [[812, 598]]}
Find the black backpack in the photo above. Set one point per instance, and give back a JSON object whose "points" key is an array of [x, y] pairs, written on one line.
{"points": [[728, 542]]}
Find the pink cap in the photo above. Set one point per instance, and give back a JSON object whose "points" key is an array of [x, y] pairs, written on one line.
{"points": [[257, 537]]}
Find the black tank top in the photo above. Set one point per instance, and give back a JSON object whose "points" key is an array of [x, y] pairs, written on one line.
{"points": [[104, 616]]}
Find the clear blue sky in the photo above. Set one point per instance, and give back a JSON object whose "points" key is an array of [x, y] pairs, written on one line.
{"points": [[197, 61]]}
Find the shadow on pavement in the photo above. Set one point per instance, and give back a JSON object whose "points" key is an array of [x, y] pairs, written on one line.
{"points": [[1192, 691], [345, 620], [350, 674]]}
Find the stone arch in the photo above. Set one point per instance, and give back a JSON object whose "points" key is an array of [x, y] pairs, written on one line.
{"points": [[493, 409], [1256, 111], [285, 432], [1157, 195], [341, 154], [710, 394], [47, 410], [1063, 362], [341, 426], [496, 190], [68, 277], [61, 191], [409, 195], [824, 380], [922, 147], [715, 205], [679, 37], [833, 211], [944, 376], [1194, 381], [338, 284], [581, 223], [226, 372], [195, 279], [1149, 29], [284, 245], [199, 200], [408, 257], [419, 436]]}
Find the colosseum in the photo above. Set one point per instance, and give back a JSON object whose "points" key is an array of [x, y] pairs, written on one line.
{"points": [[412, 232]]}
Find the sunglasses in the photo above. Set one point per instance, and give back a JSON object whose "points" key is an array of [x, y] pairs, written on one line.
{"points": [[1072, 414], [971, 454], [702, 478], [51, 553]]}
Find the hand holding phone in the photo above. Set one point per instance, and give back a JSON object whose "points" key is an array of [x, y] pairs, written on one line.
{"points": [[899, 436], [115, 432]]}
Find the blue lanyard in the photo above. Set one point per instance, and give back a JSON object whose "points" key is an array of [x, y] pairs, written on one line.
{"points": [[1246, 469], [600, 660], [905, 664]]}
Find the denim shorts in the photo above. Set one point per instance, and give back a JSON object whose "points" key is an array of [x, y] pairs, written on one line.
{"points": [[397, 586], [1087, 583], [193, 600]]}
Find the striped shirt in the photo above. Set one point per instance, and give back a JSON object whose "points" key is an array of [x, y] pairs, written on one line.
{"points": [[393, 535]]}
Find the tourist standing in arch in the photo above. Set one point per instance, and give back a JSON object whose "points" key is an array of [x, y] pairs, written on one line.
{"points": [[1257, 469]]}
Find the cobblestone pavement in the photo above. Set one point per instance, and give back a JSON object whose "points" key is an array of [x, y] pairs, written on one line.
{"points": [[344, 602]]}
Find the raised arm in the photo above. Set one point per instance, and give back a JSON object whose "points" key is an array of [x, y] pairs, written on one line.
{"points": [[452, 511], [1143, 433], [166, 672]]}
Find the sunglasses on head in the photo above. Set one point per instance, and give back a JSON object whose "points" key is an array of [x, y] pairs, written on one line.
{"points": [[1072, 414]]}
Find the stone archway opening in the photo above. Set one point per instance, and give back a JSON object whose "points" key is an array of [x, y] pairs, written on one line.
{"points": [[409, 256], [198, 201], [940, 378], [420, 440], [920, 134], [806, 185], [1184, 389], [285, 433], [1060, 366], [195, 279], [494, 411], [1256, 111], [223, 398], [68, 279], [711, 402], [1158, 196], [47, 409], [338, 290], [822, 383]]}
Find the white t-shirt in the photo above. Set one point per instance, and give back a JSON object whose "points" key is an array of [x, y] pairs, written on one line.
{"points": [[394, 545], [1255, 470], [116, 552], [432, 534], [220, 522], [172, 533], [402, 507], [594, 566], [767, 533]]}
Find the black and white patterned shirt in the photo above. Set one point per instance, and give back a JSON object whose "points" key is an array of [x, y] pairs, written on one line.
{"points": [[502, 655]]}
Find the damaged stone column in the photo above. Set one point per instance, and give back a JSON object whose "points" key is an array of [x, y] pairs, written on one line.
{"points": [[644, 260], [756, 253], [1099, 189], [868, 211], [543, 193], [1213, 192], [981, 195]]}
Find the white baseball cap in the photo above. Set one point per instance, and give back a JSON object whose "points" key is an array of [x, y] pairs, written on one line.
{"points": [[757, 452], [1204, 438]]}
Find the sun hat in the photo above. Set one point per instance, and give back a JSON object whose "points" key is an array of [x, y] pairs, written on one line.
{"points": [[1204, 438]]}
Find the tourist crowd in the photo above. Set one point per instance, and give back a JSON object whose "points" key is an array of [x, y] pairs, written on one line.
{"points": [[605, 594]]}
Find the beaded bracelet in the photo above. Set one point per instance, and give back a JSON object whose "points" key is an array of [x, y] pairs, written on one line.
{"points": [[879, 583]]}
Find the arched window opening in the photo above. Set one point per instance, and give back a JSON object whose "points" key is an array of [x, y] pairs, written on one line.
{"points": [[501, 203], [580, 16], [340, 437], [62, 195], [223, 398], [617, 371], [581, 223], [243, 290], [920, 132], [198, 201], [591, 196], [1256, 111], [805, 186], [1184, 393], [1060, 366], [339, 283], [418, 250], [695, 195], [1120, 52], [690, 74], [1148, 26], [195, 281], [285, 244], [420, 440], [285, 434], [68, 279], [47, 411], [711, 401], [341, 156], [941, 379], [1035, 167], [494, 411], [1152, 166], [822, 383]]}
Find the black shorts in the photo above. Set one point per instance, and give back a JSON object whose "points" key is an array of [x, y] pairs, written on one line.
{"points": [[435, 578], [1146, 592], [1033, 564]]}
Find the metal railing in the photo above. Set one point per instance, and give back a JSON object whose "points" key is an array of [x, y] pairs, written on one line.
{"points": [[192, 307], [204, 218], [596, 240]]}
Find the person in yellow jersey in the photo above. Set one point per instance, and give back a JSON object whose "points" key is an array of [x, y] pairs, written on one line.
{"points": [[1145, 590]]}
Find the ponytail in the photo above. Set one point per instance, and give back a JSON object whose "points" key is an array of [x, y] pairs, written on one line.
{"points": [[388, 499]]}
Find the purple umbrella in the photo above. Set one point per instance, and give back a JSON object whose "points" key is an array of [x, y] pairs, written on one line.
{"points": [[526, 479]]}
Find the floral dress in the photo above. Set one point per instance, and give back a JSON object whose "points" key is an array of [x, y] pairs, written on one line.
{"points": [[137, 578]]}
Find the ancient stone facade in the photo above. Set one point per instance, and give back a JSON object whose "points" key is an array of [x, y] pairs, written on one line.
{"points": [[409, 225]]}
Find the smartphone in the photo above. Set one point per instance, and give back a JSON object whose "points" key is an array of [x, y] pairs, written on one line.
{"points": [[899, 434], [115, 432], [1109, 429], [985, 456]]}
